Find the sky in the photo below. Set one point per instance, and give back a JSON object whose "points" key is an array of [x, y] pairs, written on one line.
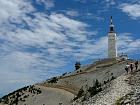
{"points": [[40, 39]]}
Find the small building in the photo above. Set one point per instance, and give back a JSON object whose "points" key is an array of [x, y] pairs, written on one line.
{"points": [[77, 65], [123, 56]]}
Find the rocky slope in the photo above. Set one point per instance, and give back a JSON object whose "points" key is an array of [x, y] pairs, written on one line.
{"points": [[111, 92], [115, 87], [133, 97]]}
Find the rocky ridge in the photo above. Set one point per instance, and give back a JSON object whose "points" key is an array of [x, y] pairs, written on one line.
{"points": [[133, 97]]}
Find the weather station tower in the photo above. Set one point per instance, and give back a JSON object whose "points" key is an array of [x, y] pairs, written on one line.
{"points": [[112, 46]]}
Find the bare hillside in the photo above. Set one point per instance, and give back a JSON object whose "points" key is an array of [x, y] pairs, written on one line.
{"points": [[85, 78]]}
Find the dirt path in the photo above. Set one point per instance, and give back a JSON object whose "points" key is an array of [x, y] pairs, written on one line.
{"points": [[69, 89]]}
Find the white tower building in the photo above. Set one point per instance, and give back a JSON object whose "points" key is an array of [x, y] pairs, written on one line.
{"points": [[112, 47]]}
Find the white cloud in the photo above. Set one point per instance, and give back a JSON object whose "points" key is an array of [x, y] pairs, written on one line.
{"points": [[127, 44], [84, 15], [133, 10], [48, 3], [81, 1], [110, 2], [72, 13], [55, 28], [14, 9]]}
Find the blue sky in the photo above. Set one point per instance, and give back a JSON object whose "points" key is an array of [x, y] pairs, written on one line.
{"points": [[43, 38]]}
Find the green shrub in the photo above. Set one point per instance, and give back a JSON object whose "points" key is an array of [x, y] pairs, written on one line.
{"points": [[80, 94], [112, 78], [96, 88], [53, 80], [118, 102]]}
